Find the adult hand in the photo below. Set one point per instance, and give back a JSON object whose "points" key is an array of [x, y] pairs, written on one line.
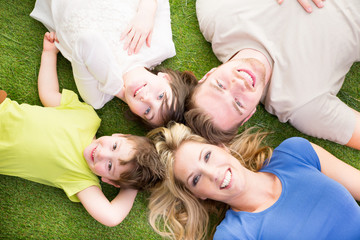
{"points": [[306, 4], [140, 28]]}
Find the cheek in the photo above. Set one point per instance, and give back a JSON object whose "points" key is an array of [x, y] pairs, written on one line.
{"points": [[98, 169]]}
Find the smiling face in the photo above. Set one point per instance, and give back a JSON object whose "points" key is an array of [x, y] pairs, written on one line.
{"points": [[148, 95], [209, 171], [231, 93], [105, 154]]}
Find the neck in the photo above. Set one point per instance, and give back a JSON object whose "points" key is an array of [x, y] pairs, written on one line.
{"points": [[263, 190], [252, 53], [129, 76]]}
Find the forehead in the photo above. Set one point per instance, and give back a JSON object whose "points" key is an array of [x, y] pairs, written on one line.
{"points": [[186, 158], [219, 105]]}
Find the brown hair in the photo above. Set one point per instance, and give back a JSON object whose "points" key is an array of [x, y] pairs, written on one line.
{"points": [[146, 170], [202, 124], [181, 84]]}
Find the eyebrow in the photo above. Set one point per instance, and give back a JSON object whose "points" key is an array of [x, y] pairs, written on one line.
{"points": [[213, 85]]}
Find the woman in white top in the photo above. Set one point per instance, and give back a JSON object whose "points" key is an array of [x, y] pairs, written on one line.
{"points": [[104, 41]]}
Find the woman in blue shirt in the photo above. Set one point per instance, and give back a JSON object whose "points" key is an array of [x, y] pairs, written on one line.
{"points": [[302, 192]]}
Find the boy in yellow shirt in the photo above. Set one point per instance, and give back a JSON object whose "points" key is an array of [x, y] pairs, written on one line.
{"points": [[55, 145]]}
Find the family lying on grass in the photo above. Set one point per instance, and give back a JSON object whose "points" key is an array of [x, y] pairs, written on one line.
{"points": [[295, 191]]}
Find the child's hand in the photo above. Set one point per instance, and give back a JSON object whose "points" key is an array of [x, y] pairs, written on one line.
{"points": [[49, 42], [306, 5], [141, 27]]}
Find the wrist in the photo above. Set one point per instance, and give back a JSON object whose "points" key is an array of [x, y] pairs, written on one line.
{"points": [[147, 7]]}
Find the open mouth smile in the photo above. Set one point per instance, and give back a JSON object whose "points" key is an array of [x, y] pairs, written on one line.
{"points": [[227, 179], [248, 76], [93, 154], [139, 89]]}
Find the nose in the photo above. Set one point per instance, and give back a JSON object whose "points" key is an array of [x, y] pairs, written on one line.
{"points": [[210, 172], [102, 154], [145, 96]]}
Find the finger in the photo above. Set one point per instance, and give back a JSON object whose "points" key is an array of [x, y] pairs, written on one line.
{"points": [[128, 39], [280, 1], [134, 43], [148, 39], [47, 34], [140, 43], [125, 32], [318, 3], [306, 5], [56, 39], [52, 37]]}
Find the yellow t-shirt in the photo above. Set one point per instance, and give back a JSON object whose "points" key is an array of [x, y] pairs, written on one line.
{"points": [[45, 144]]}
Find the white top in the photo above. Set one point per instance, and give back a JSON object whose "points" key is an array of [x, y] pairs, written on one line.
{"points": [[89, 36], [310, 55]]}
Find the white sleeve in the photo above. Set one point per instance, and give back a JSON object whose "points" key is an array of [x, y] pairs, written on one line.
{"points": [[97, 75], [325, 117]]}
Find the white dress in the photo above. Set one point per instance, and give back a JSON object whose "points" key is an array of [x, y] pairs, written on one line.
{"points": [[89, 37]]}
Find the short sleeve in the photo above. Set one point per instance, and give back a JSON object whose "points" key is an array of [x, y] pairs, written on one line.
{"points": [[300, 150], [325, 117]]}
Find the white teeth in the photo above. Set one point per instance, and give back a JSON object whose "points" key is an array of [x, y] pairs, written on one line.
{"points": [[227, 179], [139, 90], [248, 77]]}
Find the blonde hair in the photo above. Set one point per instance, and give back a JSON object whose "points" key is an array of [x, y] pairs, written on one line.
{"points": [[174, 211]]}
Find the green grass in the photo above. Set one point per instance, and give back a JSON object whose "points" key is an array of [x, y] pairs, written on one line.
{"points": [[33, 211]]}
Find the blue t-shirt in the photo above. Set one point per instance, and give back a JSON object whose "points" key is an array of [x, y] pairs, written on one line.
{"points": [[311, 205]]}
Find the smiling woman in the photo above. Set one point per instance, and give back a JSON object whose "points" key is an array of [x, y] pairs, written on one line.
{"points": [[297, 190]]}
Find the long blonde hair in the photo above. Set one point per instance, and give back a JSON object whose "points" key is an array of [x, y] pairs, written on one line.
{"points": [[174, 211]]}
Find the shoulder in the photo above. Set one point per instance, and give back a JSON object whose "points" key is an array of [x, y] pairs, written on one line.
{"points": [[296, 150], [237, 225]]}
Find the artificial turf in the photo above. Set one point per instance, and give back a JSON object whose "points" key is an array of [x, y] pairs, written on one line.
{"points": [[33, 211]]}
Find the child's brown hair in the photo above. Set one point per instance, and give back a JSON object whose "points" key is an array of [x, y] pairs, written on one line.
{"points": [[147, 170]]}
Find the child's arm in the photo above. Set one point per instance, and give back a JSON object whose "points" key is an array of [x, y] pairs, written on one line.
{"points": [[48, 84], [141, 27], [306, 5], [108, 213], [341, 172]]}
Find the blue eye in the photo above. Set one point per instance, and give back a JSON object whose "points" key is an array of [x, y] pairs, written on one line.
{"points": [[114, 146], [147, 111], [207, 156], [195, 180], [238, 102], [161, 96], [109, 165], [220, 85]]}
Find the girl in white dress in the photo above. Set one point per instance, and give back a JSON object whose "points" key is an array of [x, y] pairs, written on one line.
{"points": [[104, 41]]}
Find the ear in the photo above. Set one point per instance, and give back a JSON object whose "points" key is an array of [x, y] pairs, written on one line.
{"points": [[111, 182], [248, 117], [206, 75], [164, 75]]}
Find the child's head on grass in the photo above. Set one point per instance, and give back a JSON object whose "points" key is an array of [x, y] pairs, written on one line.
{"points": [[125, 161]]}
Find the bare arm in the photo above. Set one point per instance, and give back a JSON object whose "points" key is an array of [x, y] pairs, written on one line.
{"points": [[140, 28], [108, 213], [48, 84], [306, 4], [355, 139], [338, 170]]}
